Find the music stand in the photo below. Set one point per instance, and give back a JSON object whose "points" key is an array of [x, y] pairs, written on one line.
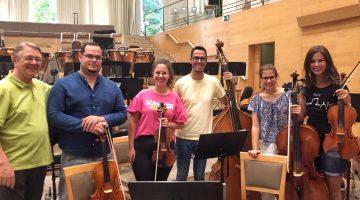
{"points": [[220, 145], [143, 69], [120, 69], [355, 103], [129, 87], [176, 190], [237, 68], [212, 68], [181, 68]]}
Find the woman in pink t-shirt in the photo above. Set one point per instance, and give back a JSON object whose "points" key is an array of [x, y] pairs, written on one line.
{"points": [[144, 120]]}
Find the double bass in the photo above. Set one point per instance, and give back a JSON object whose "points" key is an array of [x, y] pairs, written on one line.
{"points": [[342, 117], [231, 119], [106, 175], [301, 143], [164, 154]]}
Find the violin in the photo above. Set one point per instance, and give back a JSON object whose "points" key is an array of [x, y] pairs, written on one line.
{"points": [[106, 175], [301, 143], [164, 154], [231, 119], [342, 117]]}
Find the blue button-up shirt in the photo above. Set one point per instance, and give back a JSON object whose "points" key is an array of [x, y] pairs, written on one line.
{"points": [[71, 99]]}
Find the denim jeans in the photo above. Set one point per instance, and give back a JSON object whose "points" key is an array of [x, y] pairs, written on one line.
{"points": [[67, 161], [184, 151]]}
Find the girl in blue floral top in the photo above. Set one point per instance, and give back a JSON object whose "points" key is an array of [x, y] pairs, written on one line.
{"points": [[270, 109]]}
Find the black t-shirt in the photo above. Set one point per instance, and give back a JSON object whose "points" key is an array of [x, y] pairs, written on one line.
{"points": [[318, 101]]}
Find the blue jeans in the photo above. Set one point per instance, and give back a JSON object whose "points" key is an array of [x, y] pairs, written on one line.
{"points": [[184, 150], [67, 161]]}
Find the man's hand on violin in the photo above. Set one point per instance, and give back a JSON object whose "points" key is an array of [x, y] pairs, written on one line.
{"points": [[99, 128], [165, 122], [88, 123], [342, 93], [228, 76], [7, 175], [131, 155]]}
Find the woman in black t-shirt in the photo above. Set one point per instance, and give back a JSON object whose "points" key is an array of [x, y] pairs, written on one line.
{"points": [[321, 83]]}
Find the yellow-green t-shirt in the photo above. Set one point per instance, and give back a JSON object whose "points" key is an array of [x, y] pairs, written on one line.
{"points": [[199, 98], [24, 133]]}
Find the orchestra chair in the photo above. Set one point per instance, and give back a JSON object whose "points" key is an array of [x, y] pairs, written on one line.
{"points": [[265, 173], [78, 179]]}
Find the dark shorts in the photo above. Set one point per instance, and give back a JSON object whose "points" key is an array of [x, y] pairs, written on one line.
{"points": [[332, 163]]}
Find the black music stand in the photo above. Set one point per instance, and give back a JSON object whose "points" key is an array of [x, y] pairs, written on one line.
{"points": [[355, 103], [176, 190], [130, 87], [120, 69], [220, 145], [212, 68], [71, 67], [237, 68], [181, 68], [143, 69]]}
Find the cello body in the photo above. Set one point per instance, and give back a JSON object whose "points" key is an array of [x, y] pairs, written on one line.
{"points": [[312, 183]]}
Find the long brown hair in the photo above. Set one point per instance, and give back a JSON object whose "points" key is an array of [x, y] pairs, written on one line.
{"points": [[331, 74]]}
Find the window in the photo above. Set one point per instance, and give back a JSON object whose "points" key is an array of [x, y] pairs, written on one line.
{"points": [[42, 11], [153, 16]]}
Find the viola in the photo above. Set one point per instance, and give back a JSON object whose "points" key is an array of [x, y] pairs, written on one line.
{"points": [[164, 154], [106, 176], [231, 119], [340, 139], [303, 181]]}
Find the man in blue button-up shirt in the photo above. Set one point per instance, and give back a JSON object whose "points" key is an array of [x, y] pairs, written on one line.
{"points": [[78, 107]]}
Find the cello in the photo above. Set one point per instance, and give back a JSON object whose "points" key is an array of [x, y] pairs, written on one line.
{"points": [[342, 117], [106, 175], [303, 181], [164, 154], [230, 120]]}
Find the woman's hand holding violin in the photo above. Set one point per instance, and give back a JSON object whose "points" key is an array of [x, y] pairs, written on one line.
{"points": [[295, 109]]}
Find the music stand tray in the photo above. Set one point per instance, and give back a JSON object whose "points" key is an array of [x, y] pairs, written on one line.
{"points": [[176, 190], [143, 69], [220, 145], [181, 68], [129, 87], [237, 68]]}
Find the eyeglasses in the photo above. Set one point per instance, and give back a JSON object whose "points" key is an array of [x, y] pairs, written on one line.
{"points": [[91, 57], [30, 59], [271, 78], [199, 59]]}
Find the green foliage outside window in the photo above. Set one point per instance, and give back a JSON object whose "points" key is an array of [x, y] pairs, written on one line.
{"points": [[44, 11], [154, 18]]}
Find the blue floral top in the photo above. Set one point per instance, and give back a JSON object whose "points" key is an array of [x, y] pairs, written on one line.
{"points": [[272, 115]]}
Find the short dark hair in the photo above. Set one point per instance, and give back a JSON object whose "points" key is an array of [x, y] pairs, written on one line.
{"points": [[82, 50], [19, 47], [200, 48], [169, 67], [331, 75]]}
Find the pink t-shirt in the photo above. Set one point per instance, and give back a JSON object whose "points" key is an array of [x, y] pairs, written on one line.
{"points": [[146, 103]]}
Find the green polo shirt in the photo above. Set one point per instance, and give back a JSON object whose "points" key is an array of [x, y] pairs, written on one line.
{"points": [[24, 133]]}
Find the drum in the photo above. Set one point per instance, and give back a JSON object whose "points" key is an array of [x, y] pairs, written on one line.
{"points": [[120, 55], [75, 53], [46, 56], [145, 57], [6, 51], [63, 57]]}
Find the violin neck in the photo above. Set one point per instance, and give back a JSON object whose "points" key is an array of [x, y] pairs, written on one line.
{"points": [[105, 162], [340, 121]]}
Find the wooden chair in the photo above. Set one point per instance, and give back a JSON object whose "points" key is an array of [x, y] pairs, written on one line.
{"points": [[79, 178], [265, 173]]}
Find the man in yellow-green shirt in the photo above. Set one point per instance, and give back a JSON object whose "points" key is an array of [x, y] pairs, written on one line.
{"points": [[24, 139]]}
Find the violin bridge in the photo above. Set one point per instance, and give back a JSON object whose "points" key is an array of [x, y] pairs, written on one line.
{"points": [[298, 174], [107, 191]]}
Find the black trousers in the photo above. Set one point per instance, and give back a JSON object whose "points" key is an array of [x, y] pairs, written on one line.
{"points": [[29, 184], [143, 167]]}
